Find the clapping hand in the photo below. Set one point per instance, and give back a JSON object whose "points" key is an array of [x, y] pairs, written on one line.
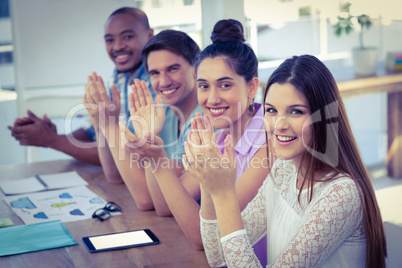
{"points": [[146, 115], [147, 118], [33, 130], [215, 171], [103, 111], [147, 147]]}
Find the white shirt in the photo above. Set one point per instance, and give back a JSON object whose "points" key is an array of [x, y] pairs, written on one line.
{"points": [[327, 232]]}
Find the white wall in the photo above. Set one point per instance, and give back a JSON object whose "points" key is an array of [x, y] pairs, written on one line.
{"points": [[57, 43], [10, 150]]}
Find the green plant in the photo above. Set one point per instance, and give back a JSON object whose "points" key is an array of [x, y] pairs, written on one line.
{"points": [[345, 24]]}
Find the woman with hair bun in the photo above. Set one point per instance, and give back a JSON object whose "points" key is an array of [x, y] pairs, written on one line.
{"points": [[317, 206], [226, 86], [227, 81]]}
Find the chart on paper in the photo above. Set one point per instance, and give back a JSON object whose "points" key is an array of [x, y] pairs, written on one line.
{"points": [[67, 205]]}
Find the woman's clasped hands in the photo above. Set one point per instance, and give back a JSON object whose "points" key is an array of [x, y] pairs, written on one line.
{"points": [[216, 172]]}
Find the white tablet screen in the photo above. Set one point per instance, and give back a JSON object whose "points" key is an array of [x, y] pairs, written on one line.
{"points": [[120, 240]]}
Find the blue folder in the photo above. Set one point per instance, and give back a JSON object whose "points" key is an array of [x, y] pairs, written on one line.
{"points": [[34, 237]]}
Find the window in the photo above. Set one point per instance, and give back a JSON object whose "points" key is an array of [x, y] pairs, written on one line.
{"points": [[282, 28], [182, 15]]}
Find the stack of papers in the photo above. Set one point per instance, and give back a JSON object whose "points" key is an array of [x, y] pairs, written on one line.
{"points": [[44, 198], [42, 183]]}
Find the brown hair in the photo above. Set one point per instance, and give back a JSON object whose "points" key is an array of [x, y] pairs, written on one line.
{"points": [[177, 42], [333, 147], [228, 42]]}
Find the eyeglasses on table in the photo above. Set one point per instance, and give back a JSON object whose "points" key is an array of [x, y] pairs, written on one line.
{"points": [[103, 214]]}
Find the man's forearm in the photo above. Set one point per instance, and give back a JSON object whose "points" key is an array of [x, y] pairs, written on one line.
{"points": [[182, 205], [161, 207], [109, 167], [130, 169]]}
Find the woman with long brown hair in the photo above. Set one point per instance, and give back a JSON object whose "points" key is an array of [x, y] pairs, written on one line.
{"points": [[317, 205]]}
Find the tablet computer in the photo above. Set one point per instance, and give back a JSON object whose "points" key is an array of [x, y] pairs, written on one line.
{"points": [[129, 239]]}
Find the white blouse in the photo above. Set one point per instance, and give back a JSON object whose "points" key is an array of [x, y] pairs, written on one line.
{"points": [[327, 232]]}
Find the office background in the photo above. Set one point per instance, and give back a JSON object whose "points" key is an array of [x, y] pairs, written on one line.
{"points": [[48, 47]]}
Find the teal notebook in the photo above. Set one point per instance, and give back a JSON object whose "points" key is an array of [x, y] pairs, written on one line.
{"points": [[34, 237]]}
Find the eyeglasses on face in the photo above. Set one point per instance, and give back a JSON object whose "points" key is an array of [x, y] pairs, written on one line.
{"points": [[104, 213]]}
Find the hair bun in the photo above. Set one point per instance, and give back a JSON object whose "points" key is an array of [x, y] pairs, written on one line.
{"points": [[228, 31]]}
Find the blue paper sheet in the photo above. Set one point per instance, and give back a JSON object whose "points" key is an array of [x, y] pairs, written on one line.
{"points": [[34, 237]]}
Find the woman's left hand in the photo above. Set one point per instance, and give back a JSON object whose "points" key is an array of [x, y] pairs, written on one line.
{"points": [[215, 171]]}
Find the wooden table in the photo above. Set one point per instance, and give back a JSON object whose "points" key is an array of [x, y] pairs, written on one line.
{"points": [[173, 251]]}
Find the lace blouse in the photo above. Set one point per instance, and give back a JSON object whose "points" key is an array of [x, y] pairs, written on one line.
{"points": [[327, 232]]}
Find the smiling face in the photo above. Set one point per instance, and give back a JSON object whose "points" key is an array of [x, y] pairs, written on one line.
{"points": [[171, 76], [288, 115], [125, 37], [223, 94]]}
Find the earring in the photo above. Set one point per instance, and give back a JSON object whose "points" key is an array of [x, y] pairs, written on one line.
{"points": [[251, 108]]}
